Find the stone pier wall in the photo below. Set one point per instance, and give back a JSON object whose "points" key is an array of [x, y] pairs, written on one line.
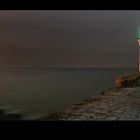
{"points": [[115, 104]]}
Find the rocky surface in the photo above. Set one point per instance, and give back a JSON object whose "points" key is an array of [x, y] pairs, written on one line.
{"points": [[114, 104], [9, 116]]}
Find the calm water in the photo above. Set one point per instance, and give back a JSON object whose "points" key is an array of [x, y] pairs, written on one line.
{"points": [[41, 91]]}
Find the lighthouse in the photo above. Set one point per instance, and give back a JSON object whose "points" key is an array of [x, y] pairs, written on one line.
{"points": [[138, 42]]}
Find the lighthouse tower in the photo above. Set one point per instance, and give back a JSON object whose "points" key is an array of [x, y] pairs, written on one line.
{"points": [[138, 40]]}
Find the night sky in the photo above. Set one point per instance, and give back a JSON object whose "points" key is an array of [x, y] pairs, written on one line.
{"points": [[69, 38]]}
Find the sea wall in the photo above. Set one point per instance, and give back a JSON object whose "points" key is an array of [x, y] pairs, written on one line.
{"points": [[114, 104]]}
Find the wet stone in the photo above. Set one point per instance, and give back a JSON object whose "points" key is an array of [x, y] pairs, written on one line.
{"points": [[111, 105]]}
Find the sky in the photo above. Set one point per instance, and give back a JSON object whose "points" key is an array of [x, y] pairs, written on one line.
{"points": [[88, 38]]}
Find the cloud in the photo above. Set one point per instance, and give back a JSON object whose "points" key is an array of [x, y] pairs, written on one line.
{"points": [[69, 38]]}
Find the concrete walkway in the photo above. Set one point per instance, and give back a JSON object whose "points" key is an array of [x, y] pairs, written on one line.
{"points": [[122, 104]]}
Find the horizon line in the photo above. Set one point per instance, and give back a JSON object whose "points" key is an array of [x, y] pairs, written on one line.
{"points": [[56, 67]]}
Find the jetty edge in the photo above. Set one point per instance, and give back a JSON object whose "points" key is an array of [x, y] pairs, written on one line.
{"points": [[128, 80], [119, 103], [113, 104]]}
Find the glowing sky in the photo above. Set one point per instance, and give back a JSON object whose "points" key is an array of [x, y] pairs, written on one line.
{"points": [[69, 38]]}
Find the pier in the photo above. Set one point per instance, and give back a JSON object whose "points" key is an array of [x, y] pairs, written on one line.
{"points": [[119, 103], [115, 104]]}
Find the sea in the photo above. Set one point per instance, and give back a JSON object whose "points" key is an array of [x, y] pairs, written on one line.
{"points": [[38, 92]]}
